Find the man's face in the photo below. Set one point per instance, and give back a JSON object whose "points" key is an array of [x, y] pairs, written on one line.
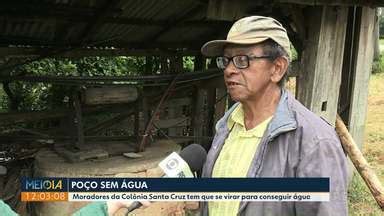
{"points": [[246, 84]]}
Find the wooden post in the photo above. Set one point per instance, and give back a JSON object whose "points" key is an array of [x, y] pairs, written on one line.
{"points": [[176, 68], [197, 114], [376, 35], [199, 63], [361, 164], [360, 80], [211, 100], [78, 121], [349, 62], [322, 60], [136, 126], [164, 65], [221, 103], [148, 65]]}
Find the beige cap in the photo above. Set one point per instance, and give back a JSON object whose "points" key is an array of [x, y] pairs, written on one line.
{"points": [[250, 30]]}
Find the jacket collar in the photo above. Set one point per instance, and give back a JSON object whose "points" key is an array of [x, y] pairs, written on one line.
{"points": [[283, 120]]}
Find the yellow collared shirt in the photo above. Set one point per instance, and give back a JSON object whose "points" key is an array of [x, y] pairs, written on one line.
{"points": [[236, 156]]}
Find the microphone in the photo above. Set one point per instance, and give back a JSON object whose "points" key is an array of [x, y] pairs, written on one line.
{"points": [[190, 160]]}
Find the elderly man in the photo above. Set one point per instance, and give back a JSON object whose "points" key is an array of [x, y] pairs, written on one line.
{"points": [[268, 133]]}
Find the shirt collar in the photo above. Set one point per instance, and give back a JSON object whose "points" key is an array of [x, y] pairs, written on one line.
{"points": [[237, 117]]}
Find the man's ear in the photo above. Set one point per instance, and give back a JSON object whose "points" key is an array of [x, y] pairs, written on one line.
{"points": [[280, 68]]}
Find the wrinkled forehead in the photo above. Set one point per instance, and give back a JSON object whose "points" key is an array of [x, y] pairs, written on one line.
{"points": [[236, 49]]}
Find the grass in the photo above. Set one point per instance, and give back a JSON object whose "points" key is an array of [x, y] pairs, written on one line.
{"points": [[378, 65], [361, 201], [381, 42]]}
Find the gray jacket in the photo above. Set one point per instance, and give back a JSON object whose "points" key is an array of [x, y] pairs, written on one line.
{"points": [[297, 143]]}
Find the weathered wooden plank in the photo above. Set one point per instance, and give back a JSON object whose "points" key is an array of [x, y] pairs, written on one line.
{"points": [[199, 63], [322, 61], [198, 114], [373, 3], [174, 122], [349, 62], [221, 104], [78, 122], [23, 52], [170, 122], [211, 100], [136, 124], [217, 82], [94, 129], [18, 117], [225, 9], [109, 95], [145, 114], [177, 102], [359, 97]]}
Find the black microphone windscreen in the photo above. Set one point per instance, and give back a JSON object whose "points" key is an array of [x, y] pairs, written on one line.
{"points": [[195, 156]]}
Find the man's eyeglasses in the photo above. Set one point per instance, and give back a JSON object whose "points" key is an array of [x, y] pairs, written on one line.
{"points": [[240, 61]]}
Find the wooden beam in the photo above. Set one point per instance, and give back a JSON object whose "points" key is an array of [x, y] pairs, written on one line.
{"points": [[96, 22], [20, 117], [24, 52], [109, 95], [43, 16], [4, 138], [349, 62], [78, 121], [226, 9], [363, 67], [220, 104], [132, 80], [71, 46], [211, 102], [322, 60], [370, 3], [198, 121], [171, 122], [52, 9], [363, 167], [95, 129], [176, 20]]}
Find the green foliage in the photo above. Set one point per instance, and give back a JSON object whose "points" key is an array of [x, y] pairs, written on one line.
{"points": [[3, 99], [87, 66], [293, 54], [110, 66], [188, 63], [39, 96], [381, 26], [378, 66]]}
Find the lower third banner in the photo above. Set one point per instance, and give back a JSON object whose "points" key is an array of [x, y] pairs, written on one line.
{"points": [[173, 189]]}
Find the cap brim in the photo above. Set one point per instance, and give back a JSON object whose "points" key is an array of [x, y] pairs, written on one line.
{"points": [[216, 47]]}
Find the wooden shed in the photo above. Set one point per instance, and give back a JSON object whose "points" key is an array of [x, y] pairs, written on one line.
{"points": [[334, 41]]}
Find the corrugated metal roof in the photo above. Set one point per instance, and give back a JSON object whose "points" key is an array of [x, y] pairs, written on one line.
{"points": [[127, 24]]}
